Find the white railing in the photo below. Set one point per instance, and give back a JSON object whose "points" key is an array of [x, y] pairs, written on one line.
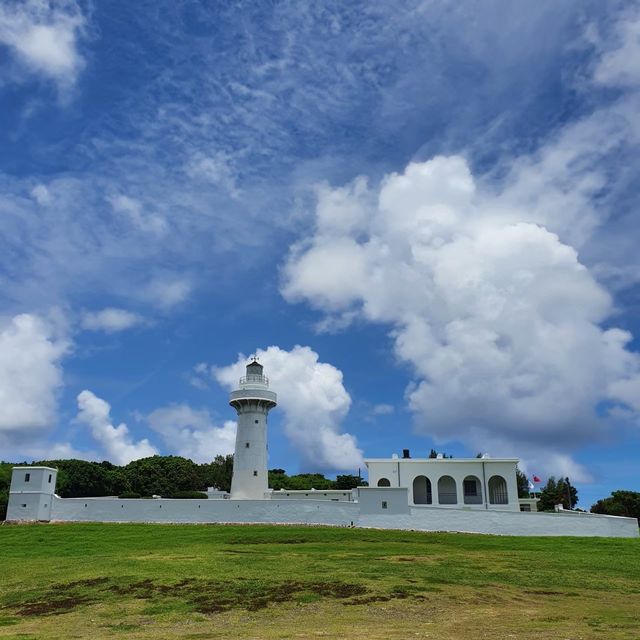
{"points": [[255, 379]]}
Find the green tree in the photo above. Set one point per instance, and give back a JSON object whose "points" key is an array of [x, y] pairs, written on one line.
{"points": [[217, 473], [523, 484], [278, 479], [555, 492], [79, 478], [619, 503], [305, 481], [162, 475], [5, 482], [345, 482]]}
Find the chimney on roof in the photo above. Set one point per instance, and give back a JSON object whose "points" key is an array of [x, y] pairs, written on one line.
{"points": [[405, 453]]}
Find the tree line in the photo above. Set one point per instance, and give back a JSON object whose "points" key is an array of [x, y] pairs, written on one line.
{"points": [[167, 476]]}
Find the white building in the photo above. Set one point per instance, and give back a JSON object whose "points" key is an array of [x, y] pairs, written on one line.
{"points": [[469, 495], [469, 483]]}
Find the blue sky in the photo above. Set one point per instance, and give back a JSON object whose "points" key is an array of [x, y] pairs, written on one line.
{"points": [[422, 216]]}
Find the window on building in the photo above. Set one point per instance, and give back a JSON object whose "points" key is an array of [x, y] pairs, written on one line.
{"points": [[246, 444], [384, 504], [472, 490], [422, 490], [384, 482], [27, 477], [50, 476], [255, 473], [498, 490], [447, 492], [24, 506], [257, 421], [525, 507]]}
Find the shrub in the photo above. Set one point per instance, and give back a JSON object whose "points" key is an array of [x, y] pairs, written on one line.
{"points": [[129, 494]]}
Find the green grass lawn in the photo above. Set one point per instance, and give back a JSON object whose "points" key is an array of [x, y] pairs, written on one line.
{"points": [[181, 581]]}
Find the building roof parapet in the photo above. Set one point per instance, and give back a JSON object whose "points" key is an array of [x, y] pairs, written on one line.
{"points": [[440, 460]]}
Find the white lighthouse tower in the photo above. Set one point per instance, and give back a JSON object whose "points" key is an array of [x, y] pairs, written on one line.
{"points": [[252, 401]]}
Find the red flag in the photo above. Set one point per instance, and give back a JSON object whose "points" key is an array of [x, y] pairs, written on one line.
{"points": [[536, 479]]}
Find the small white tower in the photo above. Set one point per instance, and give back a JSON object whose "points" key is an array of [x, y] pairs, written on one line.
{"points": [[31, 493], [252, 401]]}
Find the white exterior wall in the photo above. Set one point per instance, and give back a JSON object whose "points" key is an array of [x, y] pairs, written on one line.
{"points": [[195, 511], [403, 471], [506, 523], [250, 476], [386, 501], [32, 499], [335, 495]]}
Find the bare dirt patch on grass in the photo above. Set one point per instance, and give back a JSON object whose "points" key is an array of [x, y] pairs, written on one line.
{"points": [[202, 596]]}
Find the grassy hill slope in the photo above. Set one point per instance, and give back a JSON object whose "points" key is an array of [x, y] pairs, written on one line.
{"points": [[149, 581]]}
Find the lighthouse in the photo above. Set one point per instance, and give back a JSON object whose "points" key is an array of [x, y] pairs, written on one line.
{"points": [[252, 401]]}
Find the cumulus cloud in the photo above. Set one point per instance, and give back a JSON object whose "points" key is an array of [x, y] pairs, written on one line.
{"points": [[500, 320], [110, 320], [191, 433], [43, 36], [314, 402], [117, 442], [31, 350]]}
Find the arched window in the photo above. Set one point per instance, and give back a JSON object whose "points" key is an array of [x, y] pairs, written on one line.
{"points": [[472, 490], [383, 482], [447, 493], [498, 490], [422, 490]]}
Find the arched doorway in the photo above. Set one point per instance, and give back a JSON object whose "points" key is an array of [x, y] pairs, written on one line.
{"points": [[383, 482], [498, 490], [472, 490], [447, 492], [422, 490]]}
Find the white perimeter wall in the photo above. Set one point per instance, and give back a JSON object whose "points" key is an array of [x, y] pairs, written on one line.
{"points": [[505, 523], [166, 510], [342, 514]]}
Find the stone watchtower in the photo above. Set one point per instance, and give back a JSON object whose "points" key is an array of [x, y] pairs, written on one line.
{"points": [[252, 401]]}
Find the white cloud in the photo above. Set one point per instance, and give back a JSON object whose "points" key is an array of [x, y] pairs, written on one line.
{"points": [[58, 451], [497, 315], [382, 409], [44, 37], [619, 64], [133, 212], [31, 350], [215, 169], [41, 195], [168, 291], [314, 402], [191, 433], [117, 443], [110, 320]]}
